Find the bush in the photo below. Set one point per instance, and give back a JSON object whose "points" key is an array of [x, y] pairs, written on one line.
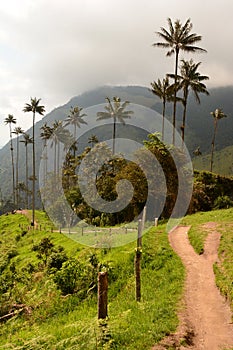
{"points": [[74, 277], [223, 202], [56, 259]]}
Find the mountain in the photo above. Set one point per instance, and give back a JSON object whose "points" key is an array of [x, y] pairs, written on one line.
{"points": [[223, 162], [198, 132]]}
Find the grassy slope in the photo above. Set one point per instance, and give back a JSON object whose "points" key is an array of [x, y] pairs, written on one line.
{"points": [[58, 322], [223, 162]]}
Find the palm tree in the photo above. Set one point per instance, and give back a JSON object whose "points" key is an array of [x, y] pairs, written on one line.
{"points": [[27, 140], [11, 120], [197, 151], [190, 78], [115, 110], [165, 92], [76, 119], [34, 107], [45, 135], [22, 188], [92, 140], [217, 115], [17, 131], [57, 131], [177, 38]]}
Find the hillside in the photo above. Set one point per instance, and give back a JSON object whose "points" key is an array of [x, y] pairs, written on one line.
{"points": [[56, 290], [199, 122], [42, 307], [223, 162]]}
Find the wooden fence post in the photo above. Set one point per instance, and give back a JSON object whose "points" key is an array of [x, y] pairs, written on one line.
{"points": [[102, 295], [143, 217], [137, 262]]}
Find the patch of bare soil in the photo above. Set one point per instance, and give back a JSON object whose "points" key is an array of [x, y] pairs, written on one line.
{"points": [[206, 319]]}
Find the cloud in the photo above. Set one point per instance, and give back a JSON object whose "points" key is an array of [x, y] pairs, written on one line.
{"points": [[57, 49]]}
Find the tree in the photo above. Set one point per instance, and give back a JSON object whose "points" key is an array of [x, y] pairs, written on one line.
{"points": [[178, 37], [11, 120], [21, 187], [17, 131], [75, 118], [34, 107], [190, 79], [115, 110], [45, 134], [165, 92], [93, 139], [217, 115], [27, 140]]}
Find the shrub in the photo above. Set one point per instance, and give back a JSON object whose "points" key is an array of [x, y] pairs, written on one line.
{"points": [[56, 259], [223, 202], [74, 277]]}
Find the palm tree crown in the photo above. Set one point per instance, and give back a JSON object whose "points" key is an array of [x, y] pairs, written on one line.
{"points": [[115, 110], [10, 119], [178, 37], [218, 114], [165, 92], [190, 79], [34, 106]]}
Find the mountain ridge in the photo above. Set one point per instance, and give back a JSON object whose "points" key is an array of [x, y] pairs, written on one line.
{"points": [[199, 128]]}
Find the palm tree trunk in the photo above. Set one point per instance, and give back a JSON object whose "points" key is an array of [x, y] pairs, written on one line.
{"points": [[33, 171], [13, 166], [184, 116], [114, 135], [213, 143], [174, 106], [26, 180], [164, 108], [58, 156], [17, 173], [55, 159], [75, 142]]}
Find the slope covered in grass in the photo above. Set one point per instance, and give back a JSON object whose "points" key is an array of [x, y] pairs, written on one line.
{"points": [[48, 292]]}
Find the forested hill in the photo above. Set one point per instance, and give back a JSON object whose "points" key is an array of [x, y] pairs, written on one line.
{"points": [[199, 128]]}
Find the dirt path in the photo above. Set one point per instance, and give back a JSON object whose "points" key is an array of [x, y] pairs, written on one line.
{"points": [[207, 317]]}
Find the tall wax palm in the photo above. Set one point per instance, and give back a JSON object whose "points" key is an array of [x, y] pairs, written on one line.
{"points": [[11, 120], [93, 139], [178, 38], [165, 92], [115, 110], [27, 139], [45, 134], [59, 135], [75, 119], [217, 115], [34, 107], [190, 79], [17, 131]]}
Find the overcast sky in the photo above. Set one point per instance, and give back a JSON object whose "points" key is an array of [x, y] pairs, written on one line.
{"points": [[56, 49]]}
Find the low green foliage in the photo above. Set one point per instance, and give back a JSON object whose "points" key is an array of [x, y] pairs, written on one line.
{"points": [[56, 291]]}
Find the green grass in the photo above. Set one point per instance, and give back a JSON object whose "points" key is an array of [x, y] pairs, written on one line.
{"points": [[222, 162], [63, 322]]}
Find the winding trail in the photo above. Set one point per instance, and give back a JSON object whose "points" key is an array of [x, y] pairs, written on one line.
{"points": [[207, 315]]}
